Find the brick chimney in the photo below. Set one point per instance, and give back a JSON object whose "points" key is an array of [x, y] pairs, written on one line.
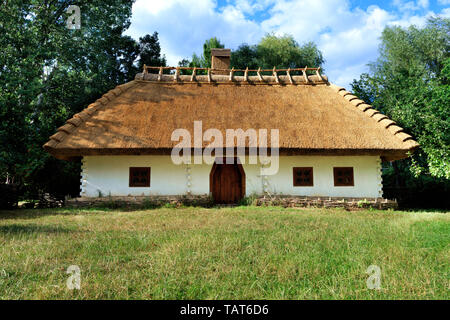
{"points": [[220, 59]]}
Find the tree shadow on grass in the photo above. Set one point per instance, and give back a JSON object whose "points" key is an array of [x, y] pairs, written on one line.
{"points": [[30, 228], [35, 213]]}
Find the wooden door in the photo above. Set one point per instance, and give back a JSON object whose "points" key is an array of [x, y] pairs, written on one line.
{"points": [[227, 183]]}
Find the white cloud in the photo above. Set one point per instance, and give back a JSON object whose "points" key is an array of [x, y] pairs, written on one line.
{"points": [[403, 5], [183, 26], [348, 37], [252, 6], [349, 50], [445, 13], [444, 2], [423, 3]]}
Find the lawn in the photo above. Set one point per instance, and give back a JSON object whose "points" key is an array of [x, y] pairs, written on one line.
{"points": [[224, 253]]}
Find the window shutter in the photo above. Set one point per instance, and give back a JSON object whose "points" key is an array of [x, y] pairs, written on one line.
{"points": [[303, 177], [139, 177], [343, 177]]}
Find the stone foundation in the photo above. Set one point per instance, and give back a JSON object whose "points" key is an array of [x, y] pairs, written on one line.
{"points": [[326, 202], [207, 201]]}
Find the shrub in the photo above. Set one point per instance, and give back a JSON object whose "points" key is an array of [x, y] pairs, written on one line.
{"points": [[9, 196]]}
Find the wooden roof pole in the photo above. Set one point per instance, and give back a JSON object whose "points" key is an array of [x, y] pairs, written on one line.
{"points": [[274, 72], [259, 74], [177, 72], [231, 74], [193, 74], [305, 75], [160, 73], [318, 74], [288, 72]]}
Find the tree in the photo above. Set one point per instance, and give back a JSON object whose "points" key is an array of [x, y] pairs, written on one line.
{"points": [[410, 83], [245, 56], [204, 60], [48, 73], [285, 52], [281, 52], [150, 51], [207, 46]]}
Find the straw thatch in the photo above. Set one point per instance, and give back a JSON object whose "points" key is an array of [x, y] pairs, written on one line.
{"points": [[313, 117]]}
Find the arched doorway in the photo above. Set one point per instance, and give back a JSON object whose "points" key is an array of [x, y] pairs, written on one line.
{"points": [[227, 182]]}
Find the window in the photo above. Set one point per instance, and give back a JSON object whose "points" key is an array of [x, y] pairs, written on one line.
{"points": [[343, 177], [303, 177], [139, 177]]}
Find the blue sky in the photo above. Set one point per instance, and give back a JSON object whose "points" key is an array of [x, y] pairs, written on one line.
{"points": [[346, 31]]}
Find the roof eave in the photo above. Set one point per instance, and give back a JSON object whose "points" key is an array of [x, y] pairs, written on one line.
{"points": [[76, 153]]}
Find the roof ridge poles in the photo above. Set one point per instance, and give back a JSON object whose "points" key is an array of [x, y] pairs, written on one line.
{"points": [[177, 73], [305, 75], [288, 73], [259, 74], [232, 74], [160, 73], [194, 73], [274, 72], [318, 74]]}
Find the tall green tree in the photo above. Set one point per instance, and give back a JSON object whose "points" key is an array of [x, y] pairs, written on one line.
{"points": [[204, 60], [245, 56], [49, 72], [285, 52], [281, 52], [150, 51], [410, 83]]}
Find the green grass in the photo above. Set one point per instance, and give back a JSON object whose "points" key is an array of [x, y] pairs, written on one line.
{"points": [[227, 253]]}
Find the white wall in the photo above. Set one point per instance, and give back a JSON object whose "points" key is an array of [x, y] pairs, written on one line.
{"points": [[108, 175]]}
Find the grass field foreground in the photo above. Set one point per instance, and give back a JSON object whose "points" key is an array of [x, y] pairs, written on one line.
{"points": [[224, 253]]}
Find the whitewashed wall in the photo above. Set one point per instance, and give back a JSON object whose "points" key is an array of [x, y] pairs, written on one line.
{"points": [[109, 175]]}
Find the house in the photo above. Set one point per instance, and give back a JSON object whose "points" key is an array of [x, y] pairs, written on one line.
{"points": [[324, 141]]}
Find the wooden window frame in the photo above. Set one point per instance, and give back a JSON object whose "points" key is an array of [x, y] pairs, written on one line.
{"points": [[132, 169], [294, 174], [340, 184]]}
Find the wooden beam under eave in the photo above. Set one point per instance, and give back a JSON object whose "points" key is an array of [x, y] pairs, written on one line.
{"points": [[75, 154]]}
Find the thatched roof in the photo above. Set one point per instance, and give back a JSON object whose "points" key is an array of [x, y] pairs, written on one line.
{"points": [[313, 116]]}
